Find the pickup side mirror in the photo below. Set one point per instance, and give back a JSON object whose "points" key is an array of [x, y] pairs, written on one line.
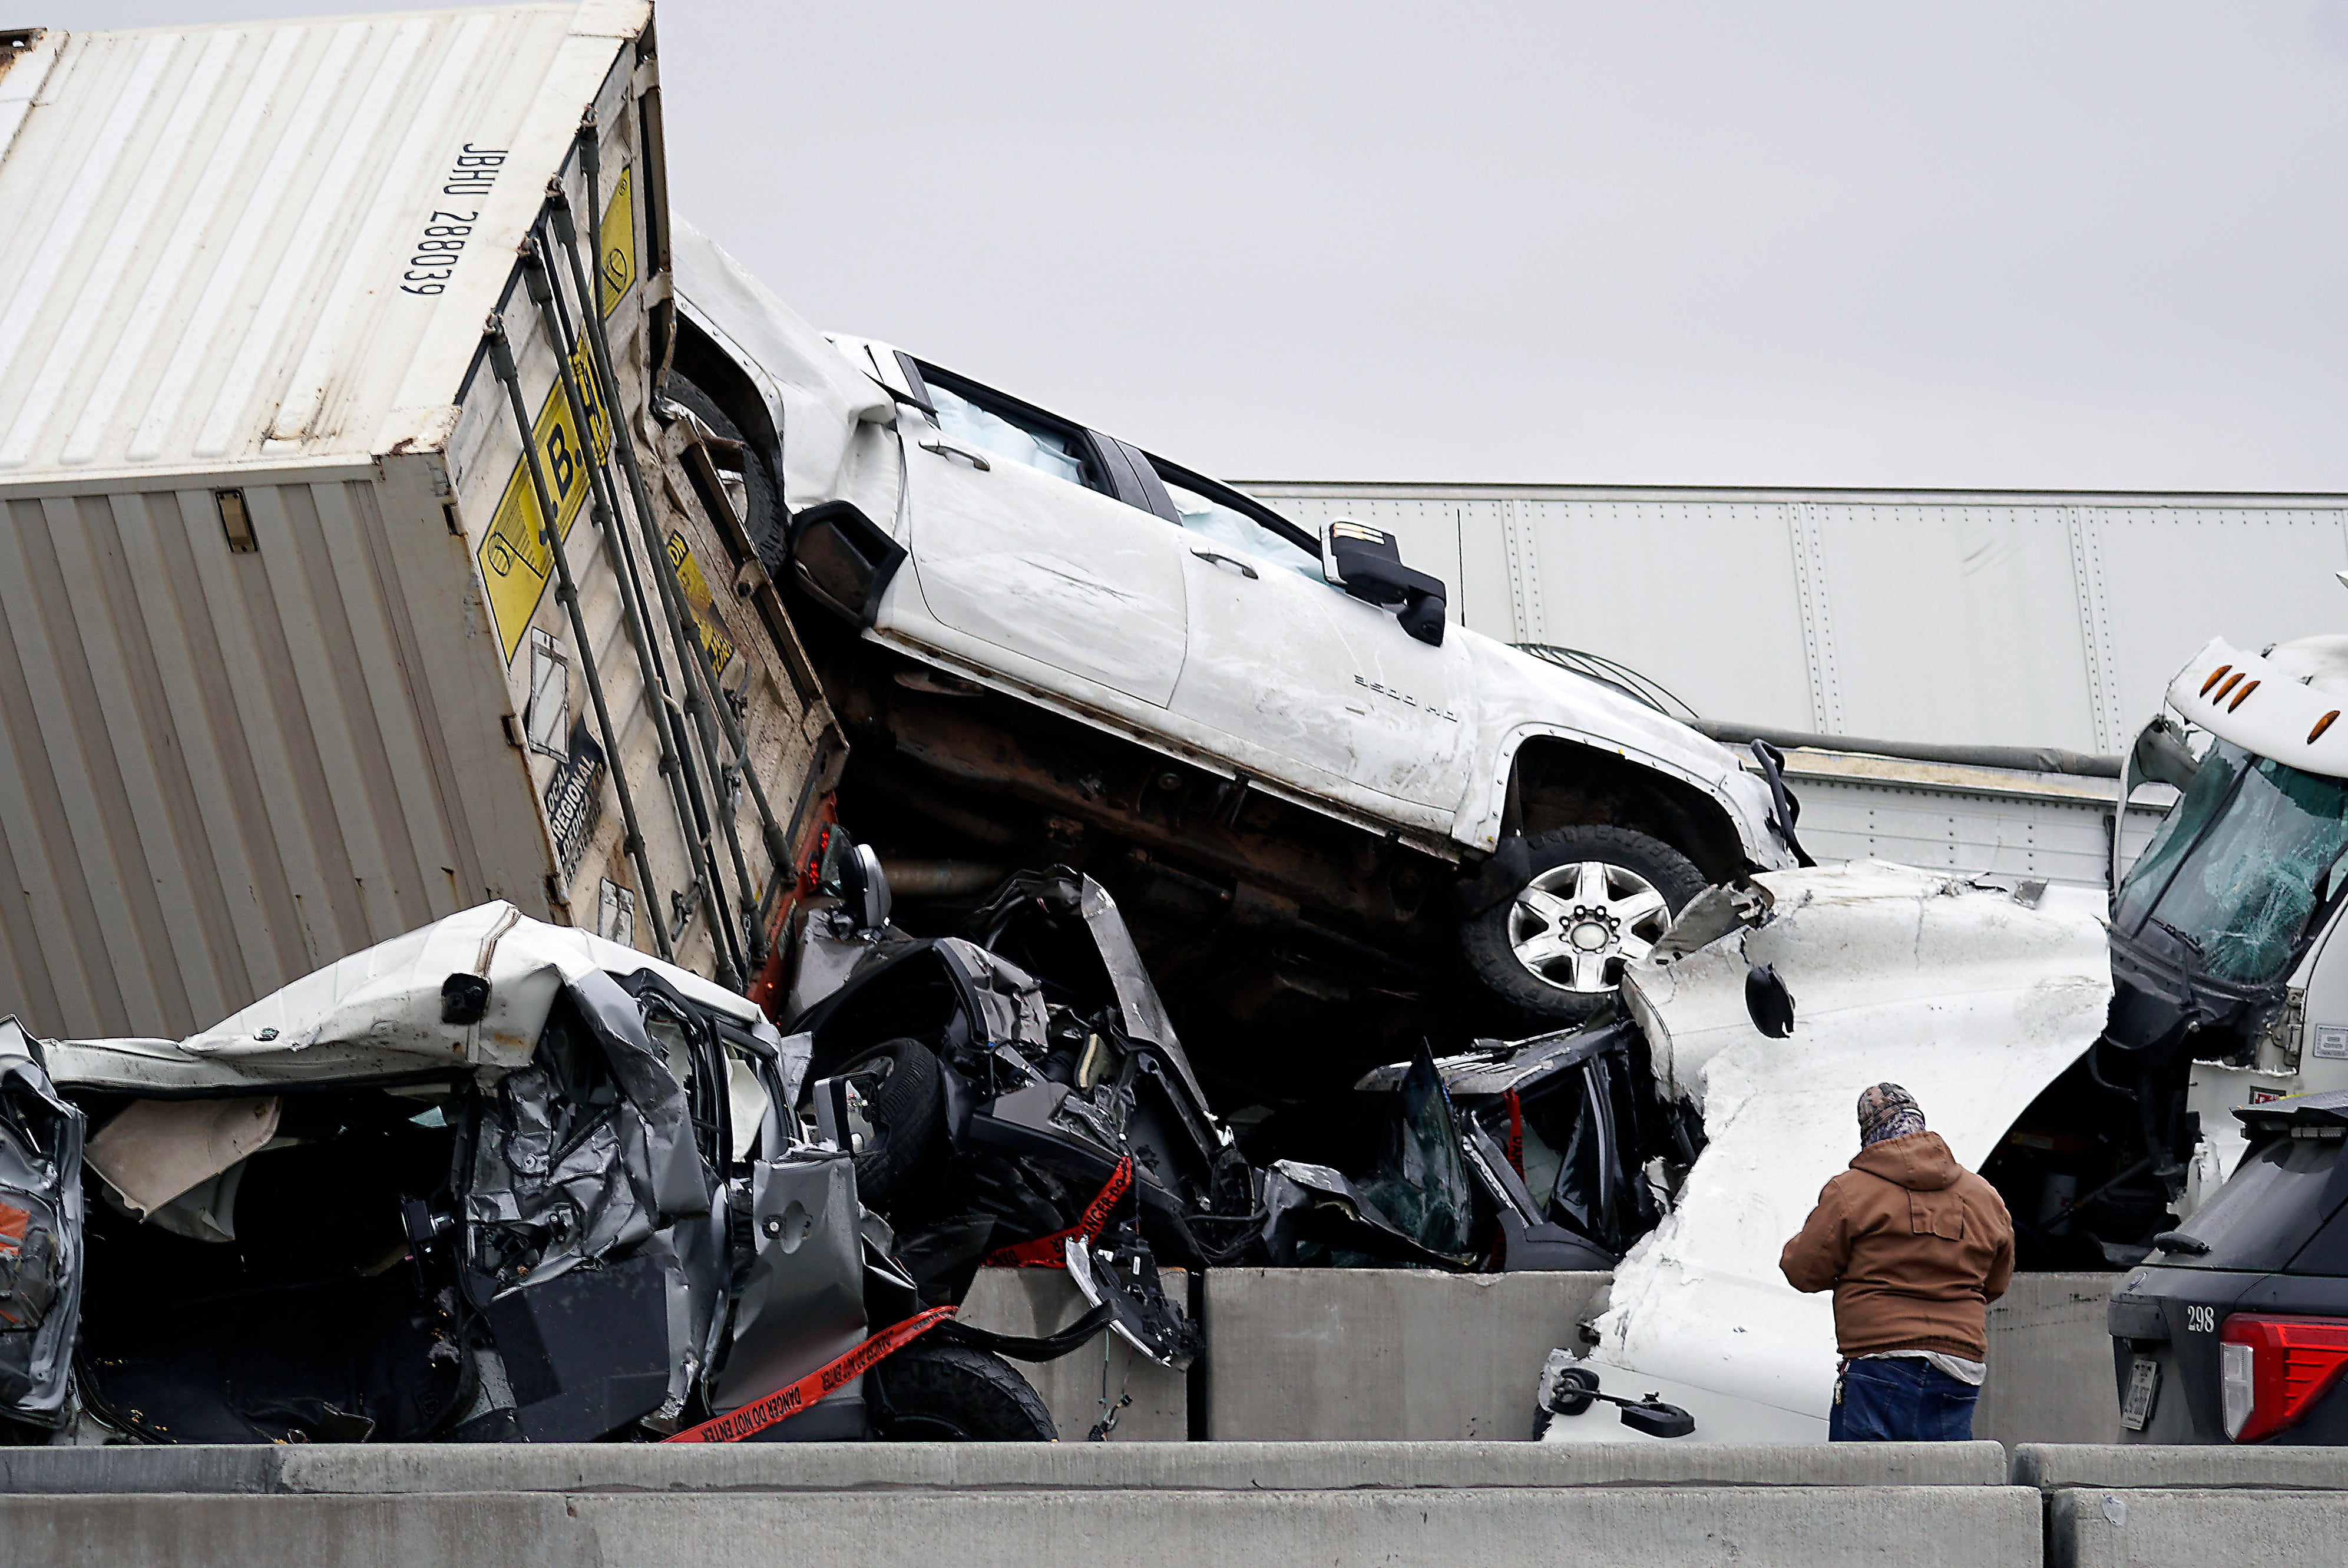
{"points": [[1366, 562]]}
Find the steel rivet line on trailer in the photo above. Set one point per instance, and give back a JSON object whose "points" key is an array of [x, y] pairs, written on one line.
{"points": [[502, 362], [684, 792], [689, 645], [780, 851]]}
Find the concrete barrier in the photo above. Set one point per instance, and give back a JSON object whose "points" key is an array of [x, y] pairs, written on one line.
{"points": [[2053, 1466], [2109, 1528], [1302, 1355], [978, 1506], [428, 1468], [2050, 1362], [1401, 1354], [2216, 1507], [1082, 1386]]}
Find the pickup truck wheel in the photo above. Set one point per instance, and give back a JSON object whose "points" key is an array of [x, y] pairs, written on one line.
{"points": [[1597, 898]]}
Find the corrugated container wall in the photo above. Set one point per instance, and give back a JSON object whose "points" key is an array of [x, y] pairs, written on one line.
{"points": [[1989, 619], [281, 671]]}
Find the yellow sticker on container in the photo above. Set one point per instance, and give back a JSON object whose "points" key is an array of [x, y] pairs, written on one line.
{"points": [[703, 604], [513, 556], [515, 562], [615, 269]]}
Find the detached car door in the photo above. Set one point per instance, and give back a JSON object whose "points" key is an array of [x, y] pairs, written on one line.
{"points": [[40, 1235], [1024, 543]]}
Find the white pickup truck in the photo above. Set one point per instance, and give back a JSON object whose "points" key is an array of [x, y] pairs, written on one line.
{"points": [[1202, 696]]}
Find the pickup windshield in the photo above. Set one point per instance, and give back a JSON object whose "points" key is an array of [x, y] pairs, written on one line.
{"points": [[2239, 867]]}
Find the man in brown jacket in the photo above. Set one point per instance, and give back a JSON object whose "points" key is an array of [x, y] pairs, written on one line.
{"points": [[1914, 1246]]}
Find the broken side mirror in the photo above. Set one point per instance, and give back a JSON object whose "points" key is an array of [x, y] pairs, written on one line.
{"points": [[1569, 1390], [851, 872], [1366, 562], [1768, 1002], [843, 560], [1657, 1419], [2161, 756]]}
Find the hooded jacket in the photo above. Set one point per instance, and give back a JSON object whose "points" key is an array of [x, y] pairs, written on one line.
{"points": [[1914, 1246]]}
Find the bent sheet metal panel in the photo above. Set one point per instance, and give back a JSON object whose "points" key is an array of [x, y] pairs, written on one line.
{"points": [[2053, 618], [1971, 1001]]}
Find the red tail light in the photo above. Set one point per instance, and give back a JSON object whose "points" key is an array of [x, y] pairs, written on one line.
{"points": [[2293, 1362]]}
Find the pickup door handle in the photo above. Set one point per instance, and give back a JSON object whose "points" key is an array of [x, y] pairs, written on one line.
{"points": [[1245, 570], [946, 449]]}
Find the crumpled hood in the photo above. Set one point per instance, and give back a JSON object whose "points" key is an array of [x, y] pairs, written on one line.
{"points": [[1918, 1162], [832, 417], [379, 1012]]}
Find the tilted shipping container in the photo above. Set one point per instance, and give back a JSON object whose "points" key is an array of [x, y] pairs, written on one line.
{"points": [[288, 663]]}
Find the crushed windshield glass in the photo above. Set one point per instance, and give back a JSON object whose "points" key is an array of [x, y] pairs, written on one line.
{"points": [[2235, 871]]}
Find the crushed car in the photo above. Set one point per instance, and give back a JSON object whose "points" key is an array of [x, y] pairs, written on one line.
{"points": [[493, 1180], [992, 1082], [1330, 813], [2097, 1062], [1514, 1155], [999, 1085]]}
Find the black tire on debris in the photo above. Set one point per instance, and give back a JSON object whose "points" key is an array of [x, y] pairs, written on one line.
{"points": [[761, 503], [938, 1393], [1491, 953], [905, 1098]]}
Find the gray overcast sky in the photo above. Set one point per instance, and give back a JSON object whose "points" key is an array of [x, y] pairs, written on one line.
{"points": [[2007, 242]]}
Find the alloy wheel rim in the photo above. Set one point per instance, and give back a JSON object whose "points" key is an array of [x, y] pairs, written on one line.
{"points": [[1575, 926]]}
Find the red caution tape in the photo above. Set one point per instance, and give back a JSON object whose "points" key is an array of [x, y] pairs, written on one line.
{"points": [[784, 1403], [1051, 1251]]}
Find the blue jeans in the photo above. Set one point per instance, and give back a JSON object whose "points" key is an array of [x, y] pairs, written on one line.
{"points": [[1901, 1400]]}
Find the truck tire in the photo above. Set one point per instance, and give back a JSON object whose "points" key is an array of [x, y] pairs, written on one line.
{"points": [[1595, 898], [905, 1098], [760, 503], [937, 1393]]}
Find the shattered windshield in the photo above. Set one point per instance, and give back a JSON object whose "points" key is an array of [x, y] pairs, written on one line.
{"points": [[2240, 866]]}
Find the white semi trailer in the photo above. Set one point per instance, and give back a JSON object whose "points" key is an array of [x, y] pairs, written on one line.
{"points": [[1933, 618], [311, 330]]}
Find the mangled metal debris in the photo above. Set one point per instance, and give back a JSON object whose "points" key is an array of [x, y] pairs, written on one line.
{"points": [[40, 1235], [1516, 1155], [1016, 1093], [493, 1180], [1974, 998]]}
